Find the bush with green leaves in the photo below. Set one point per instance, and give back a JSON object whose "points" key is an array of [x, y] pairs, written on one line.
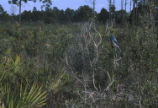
{"points": [[15, 92]]}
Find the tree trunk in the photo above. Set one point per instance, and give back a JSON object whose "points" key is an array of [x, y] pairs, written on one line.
{"points": [[109, 5], [110, 10], [125, 4], [121, 4], [94, 8], [130, 5], [20, 11], [134, 4]]}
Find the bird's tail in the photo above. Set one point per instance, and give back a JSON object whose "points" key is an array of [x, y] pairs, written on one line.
{"points": [[121, 53]]}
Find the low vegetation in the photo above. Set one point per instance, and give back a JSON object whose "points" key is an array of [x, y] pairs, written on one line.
{"points": [[73, 65]]}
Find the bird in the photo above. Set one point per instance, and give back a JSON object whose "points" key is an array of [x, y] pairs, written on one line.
{"points": [[115, 43]]}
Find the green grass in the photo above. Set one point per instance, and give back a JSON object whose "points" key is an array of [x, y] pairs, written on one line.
{"points": [[33, 71]]}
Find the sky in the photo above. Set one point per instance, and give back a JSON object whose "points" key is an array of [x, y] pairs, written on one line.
{"points": [[61, 4]]}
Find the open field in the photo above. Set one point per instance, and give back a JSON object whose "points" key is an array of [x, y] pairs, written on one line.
{"points": [[75, 66], [57, 56]]}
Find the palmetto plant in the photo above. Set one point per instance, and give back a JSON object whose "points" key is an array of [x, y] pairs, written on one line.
{"points": [[31, 98], [15, 94]]}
